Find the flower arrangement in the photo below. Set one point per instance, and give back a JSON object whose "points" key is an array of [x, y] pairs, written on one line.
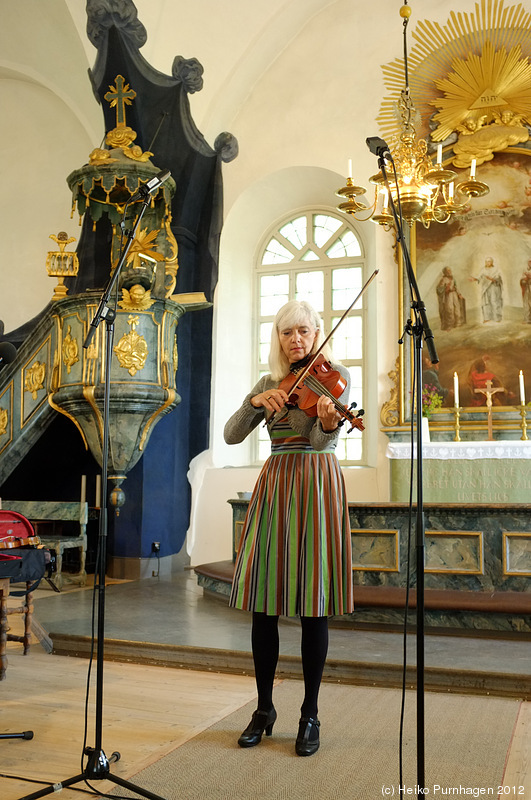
{"points": [[431, 399]]}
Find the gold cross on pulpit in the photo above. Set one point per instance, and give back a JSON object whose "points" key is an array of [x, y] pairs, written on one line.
{"points": [[120, 95], [488, 391]]}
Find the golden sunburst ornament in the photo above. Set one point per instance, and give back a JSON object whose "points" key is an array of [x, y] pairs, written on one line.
{"points": [[478, 68], [143, 244]]}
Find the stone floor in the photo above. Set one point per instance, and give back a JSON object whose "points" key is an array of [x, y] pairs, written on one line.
{"points": [[176, 615]]}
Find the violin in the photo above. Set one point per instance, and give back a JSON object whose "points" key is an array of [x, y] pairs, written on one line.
{"points": [[313, 376], [306, 384], [11, 542]]}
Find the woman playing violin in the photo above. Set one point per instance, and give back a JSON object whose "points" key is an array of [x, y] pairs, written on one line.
{"points": [[295, 551]]}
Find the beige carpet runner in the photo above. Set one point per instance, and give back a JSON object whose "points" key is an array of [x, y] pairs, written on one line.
{"points": [[466, 743]]}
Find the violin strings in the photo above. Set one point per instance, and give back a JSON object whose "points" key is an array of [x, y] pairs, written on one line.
{"points": [[318, 388]]}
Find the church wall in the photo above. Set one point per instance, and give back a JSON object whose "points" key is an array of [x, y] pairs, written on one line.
{"points": [[300, 89]]}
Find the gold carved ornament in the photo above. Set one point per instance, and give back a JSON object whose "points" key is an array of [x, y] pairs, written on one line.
{"points": [[61, 264], [4, 419], [70, 351], [136, 298], [475, 71], [122, 135], [389, 413], [132, 350], [34, 378]]}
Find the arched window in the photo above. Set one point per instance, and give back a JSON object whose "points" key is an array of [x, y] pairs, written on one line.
{"points": [[318, 257]]}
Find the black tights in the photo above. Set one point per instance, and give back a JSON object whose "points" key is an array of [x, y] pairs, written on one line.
{"points": [[314, 648]]}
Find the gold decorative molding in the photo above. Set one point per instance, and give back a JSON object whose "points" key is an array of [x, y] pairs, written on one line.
{"points": [[389, 413], [171, 394], [375, 550], [132, 350], [70, 417], [516, 553], [34, 378], [70, 350], [4, 421], [462, 554]]}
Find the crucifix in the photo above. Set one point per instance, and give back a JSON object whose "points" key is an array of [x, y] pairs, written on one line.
{"points": [[120, 95], [488, 391]]}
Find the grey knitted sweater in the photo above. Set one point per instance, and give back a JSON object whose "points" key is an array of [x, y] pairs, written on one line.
{"points": [[245, 420]]}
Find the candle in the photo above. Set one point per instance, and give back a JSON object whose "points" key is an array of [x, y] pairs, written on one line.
{"points": [[522, 392], [83, 488], [451, 190], [456, 389], [473, 168], [98, 490], [439, 154], [349, 174], [385, 195]]}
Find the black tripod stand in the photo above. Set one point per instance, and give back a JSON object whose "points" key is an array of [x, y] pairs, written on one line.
{"points": [[419, 329], [97, 767]]}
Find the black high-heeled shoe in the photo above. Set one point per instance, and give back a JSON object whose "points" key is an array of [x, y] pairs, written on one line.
{"points": [[260, 721], [308, 737]]}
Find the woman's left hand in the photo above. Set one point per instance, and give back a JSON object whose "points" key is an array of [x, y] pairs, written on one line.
{"points": [[326, 411]]}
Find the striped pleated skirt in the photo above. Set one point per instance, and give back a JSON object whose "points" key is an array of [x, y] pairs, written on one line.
{"points": [[294, 556]]}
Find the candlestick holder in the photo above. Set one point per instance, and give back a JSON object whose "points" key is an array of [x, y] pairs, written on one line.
{"points": [[457, 412], [524, 435]]}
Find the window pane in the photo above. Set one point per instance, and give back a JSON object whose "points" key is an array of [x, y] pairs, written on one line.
{"points": [[276, 253], [274, 292], [345, 245], [310, 256], [346, 284], [347, 343], [355, 385], [323, 228], [265, 341], [296, 232], [310, 287]]}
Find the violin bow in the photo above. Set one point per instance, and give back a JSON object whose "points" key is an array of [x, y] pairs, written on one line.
{"points": [[301, 376]]}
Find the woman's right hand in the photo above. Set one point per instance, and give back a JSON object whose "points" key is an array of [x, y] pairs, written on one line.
{"points": [[272, 400]]}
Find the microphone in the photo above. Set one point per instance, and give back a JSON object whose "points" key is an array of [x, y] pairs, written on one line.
{"points": [[8, 353], [377, 146], [152, 184]]}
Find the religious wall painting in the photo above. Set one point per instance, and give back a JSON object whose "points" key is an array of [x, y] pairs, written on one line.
{"points": [[474, 275]]}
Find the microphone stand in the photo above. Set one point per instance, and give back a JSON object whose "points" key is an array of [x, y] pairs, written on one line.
{"points": [[419, 329], [97, 767]]}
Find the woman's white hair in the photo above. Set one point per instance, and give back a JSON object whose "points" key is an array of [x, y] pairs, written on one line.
{"points": [[296, 312]]}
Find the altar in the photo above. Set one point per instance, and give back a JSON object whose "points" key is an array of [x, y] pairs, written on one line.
{"points": [[464, 472]]}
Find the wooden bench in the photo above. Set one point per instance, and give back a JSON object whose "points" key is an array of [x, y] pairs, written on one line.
{"points": [[60, 526]]}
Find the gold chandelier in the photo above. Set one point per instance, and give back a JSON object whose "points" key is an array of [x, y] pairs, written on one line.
{"points": [[427, 190]]}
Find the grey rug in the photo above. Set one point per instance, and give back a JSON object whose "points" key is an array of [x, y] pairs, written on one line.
{"points": [[466, 744]]}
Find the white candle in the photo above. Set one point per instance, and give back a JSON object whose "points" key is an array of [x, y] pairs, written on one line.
{"points": [[349, 168], [439, 154], [522, 391], [456, 389], [83, 488], [385, 195], [473, 168], [451, 190]]}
